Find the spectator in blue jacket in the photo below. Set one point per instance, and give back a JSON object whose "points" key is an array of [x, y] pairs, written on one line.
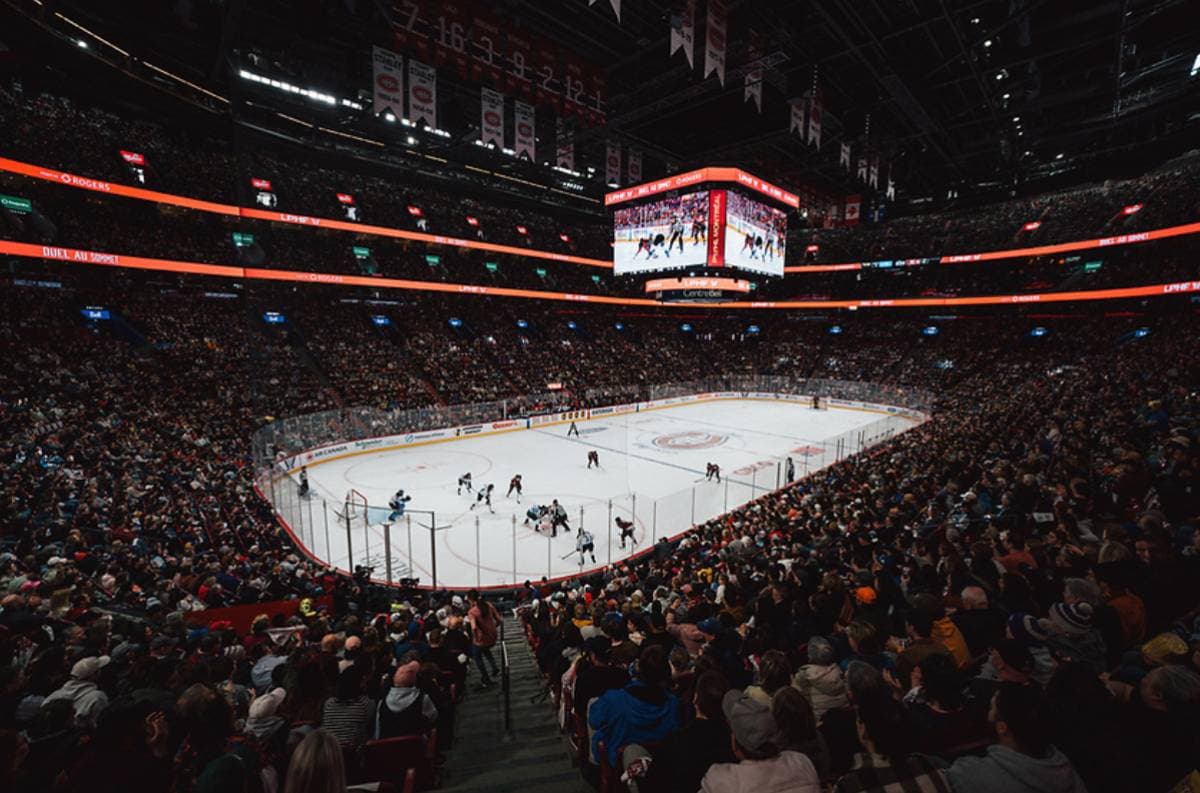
{"points": [[641, 712]]}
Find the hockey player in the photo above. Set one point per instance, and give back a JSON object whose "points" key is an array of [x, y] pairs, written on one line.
{"points": [[303, 481], [514, 484], [573, 430], [676, 235], [585, 544], [699, 229], [464, 481], [534, 513], [396, 505], [643, 245], [816, 402], [626, 527], [484, 496], [748, 242], [712, 471], [545, 524], [558, 517], [770, 249], [789, 470], [593, 458]]}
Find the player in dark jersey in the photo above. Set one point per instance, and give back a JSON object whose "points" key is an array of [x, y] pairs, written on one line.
{"points": [[573, 430], [699, 230], [593, 458], [643, 245], [748, 242], [770, 249], [514, 484], [626, 527], [712, 470], [464, 481]]}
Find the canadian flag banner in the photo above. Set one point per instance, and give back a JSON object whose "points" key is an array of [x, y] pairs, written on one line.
{"points": [[714, 40], [422, 93], [873, 179], [616, 7], [612, 163], [862, 168], [797, 122], [683, 31], [634, 165], [523, 131], [388, 82], [850, 217], [844, 157], [491, 120], [754, 75], [565, 154], [814, 118]]}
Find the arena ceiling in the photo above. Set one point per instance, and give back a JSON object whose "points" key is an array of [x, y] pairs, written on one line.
{"points": [[959, 95]]}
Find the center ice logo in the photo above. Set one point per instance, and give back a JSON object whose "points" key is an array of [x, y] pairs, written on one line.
{"points": [[689, 440]]}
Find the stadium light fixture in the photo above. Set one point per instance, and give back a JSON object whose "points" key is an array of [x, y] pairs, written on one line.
{"points": [[83, 45], [1006, 96], [1016, 119], [987, 43], [1038, 332], [1141, 333], [1195, 66], [1059, 156]]}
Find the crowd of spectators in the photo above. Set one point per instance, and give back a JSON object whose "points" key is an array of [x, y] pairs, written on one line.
{"points": [[1005, 598]]}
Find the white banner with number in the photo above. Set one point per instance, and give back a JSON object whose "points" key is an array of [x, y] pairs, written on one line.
{"points": [[844, 157], [523, 131], [683, 31], [565, 140], [491, 118], [422, 93], [612, 164], [715, 40], [388, 82], [814, 119], [634, 164], [797, 119]]}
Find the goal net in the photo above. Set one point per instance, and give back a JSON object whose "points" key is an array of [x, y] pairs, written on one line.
{"points": [[355, 506]]}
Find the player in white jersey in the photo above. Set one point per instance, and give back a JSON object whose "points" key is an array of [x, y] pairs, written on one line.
{"points": [[585, 544], [484, 496]]}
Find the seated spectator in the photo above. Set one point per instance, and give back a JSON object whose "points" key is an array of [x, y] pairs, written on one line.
{"points": [[405, 709], [687, 753], [641, 712], [762, 766], [774, 673], [347, 715], [209, 761], [1009, 661], [821, 680], [1023, 758], [981, 624], [1087, 728], [1160, 717], [596, 674], [943, 717], [885, 763], [864, 685], [798, 728], [944, 630], [1071, 635], [918, 625], [316, 766], [86, 697]]}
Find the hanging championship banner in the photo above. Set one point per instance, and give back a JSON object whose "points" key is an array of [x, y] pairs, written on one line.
{"points": [[634, 166], [850, 216], [814, 118], [714, 40], [388, 82], [612, 164], [422, 93], [862, 168], [754, 74], [523, 142], [491, 119], [683, 31], [565, 154], [844, 157], [891, 187], [873, 179], [797, 122]]}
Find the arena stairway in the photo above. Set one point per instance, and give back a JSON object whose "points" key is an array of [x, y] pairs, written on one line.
{"points": [[486, 758]]}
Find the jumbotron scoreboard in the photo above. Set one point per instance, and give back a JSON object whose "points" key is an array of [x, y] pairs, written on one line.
{"points": [[700, 232]]}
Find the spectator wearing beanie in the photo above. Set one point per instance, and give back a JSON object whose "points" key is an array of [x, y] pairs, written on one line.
{"points": [[762, 767], [405, 709], [821, 680], [1031, 633], [1073, 637]]}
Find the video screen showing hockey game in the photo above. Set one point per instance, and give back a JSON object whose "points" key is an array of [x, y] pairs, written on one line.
{"points": [[755, 235], [661, 235]]}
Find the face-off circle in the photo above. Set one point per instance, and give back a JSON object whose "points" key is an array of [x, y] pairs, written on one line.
{"points": [[689, 441]]}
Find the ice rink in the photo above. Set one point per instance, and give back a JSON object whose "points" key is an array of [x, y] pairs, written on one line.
{"points": [[652, 471]]}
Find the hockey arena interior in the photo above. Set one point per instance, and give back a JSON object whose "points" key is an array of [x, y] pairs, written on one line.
{"points": [[658, 396]]}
